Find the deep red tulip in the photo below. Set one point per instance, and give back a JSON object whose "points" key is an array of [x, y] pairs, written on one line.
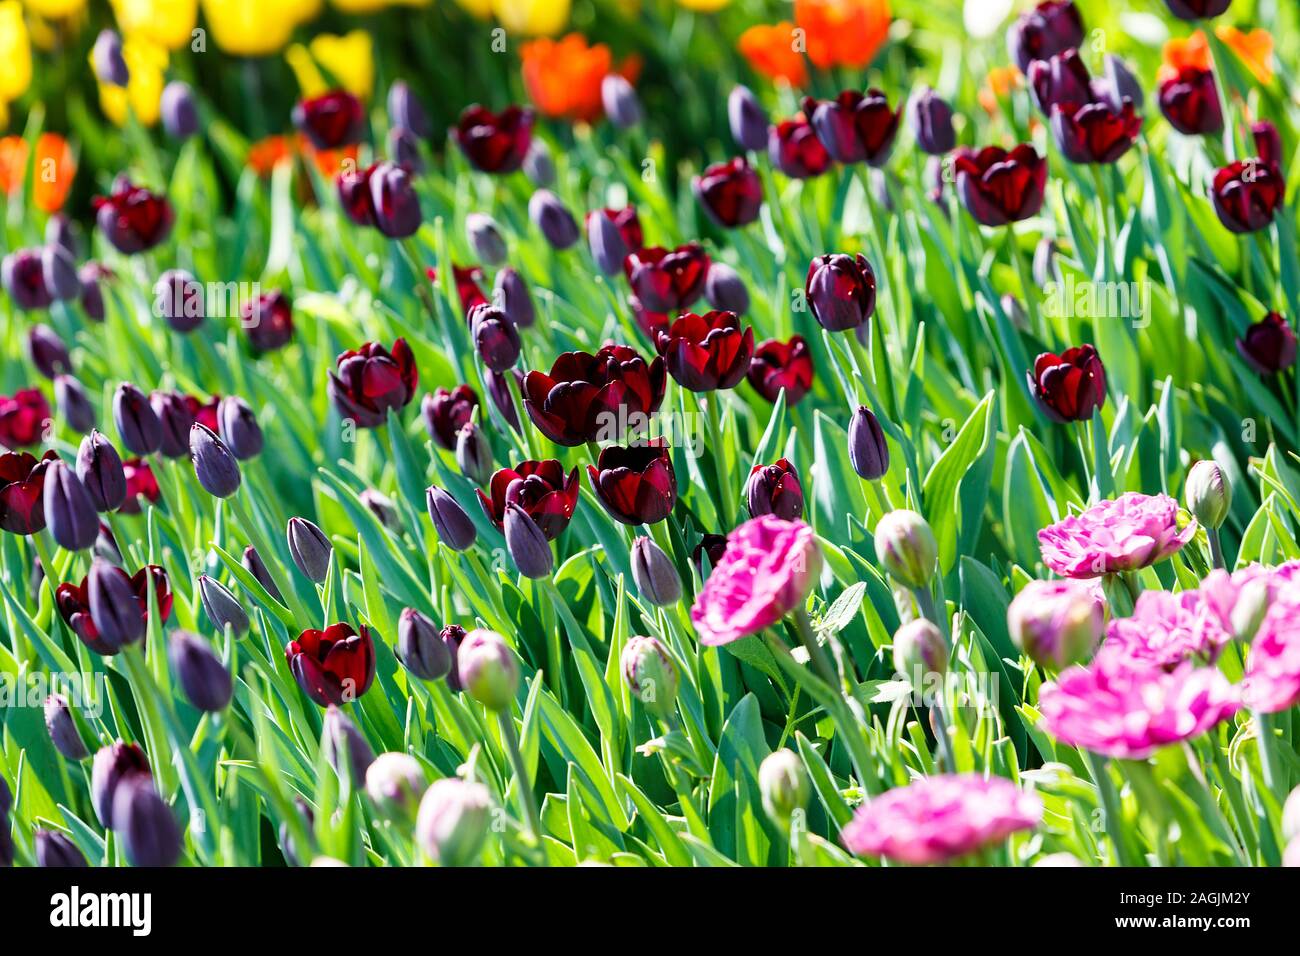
{"points": [[445, 412], [774, 490], [855, 127], [494, 142], [1095, 132], [140, 483], [371, 380], [635, 483], [712, 546], [22, 418], [1069, 387], [1190, 102], [133, 218], [205, 413], [793, 148], [649, 322], [666, 280], [1269, 345], [1247, 194], [1061, 78], [332, 120], [1197, 9], [998, 187], [589, 397], [782, 365], [706, 352], [353, 186], [730, 193], [495, 337], [1268, 142], [268, 321], [73, 602], [333, 666], [628, 223], [841, 291], [468, 290], [1052, 27], [22, 491], [539, 487]]}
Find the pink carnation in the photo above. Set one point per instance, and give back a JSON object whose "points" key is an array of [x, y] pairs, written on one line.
{"points": [[1126, 712], [1127, 533], [941, 817], [1272, 681], [769, 567], [1165, 630]]}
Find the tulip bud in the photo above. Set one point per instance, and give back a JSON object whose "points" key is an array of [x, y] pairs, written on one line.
{"points": [[651, 675], [60, 271], [552, 219], [48, 353], [340, 738], [239, 429], [69, 509], [55, 850], [106, 57], [395, 783], [488, 670], [725, 290], [145, 824], [382, 507], [180, 116], [775, 490], [485, 238], [905, 546], [1118, 84], [473, 455], [113, 764], [114, 607], [177, 419], [406, 110], [1044, 262], [404, 150], [62, 232], [1249, 611], [137, 424], [452, 636], [932, 123], [619, 98], [747, 119], [608, 248], [178, 298], [1208, 494], [498, 387], [92, 296], [453, 821], [495, 337], [1057, 623], [653, 572], [454, 527], [528, 547], [510, 295], [420, 647], [214, 465], [538, 165], [63, 728], [783, 783], [841, 291], [919, 648], [221, 606], [868, 451], [199, 671], [309, 548], [394, 202], [254, 565], [74, 405]]}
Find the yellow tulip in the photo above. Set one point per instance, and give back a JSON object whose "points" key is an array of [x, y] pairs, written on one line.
{"points": [[374, 6], [532, 17], [148, 63], [481, 9], [55, 9], [703, 6], [169, 23], [15, 52], [350, 59], [256, 27]]}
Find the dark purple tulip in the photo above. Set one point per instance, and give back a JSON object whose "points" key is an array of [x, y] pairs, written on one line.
{"points": [[176, 419], [653, 573], [332, 120], [23, 277], [793, 148], [1052, 27], [606, 242], [841, 291], [60, 271], [309, 548], [452, 636], [404, 149], [1062, 78], [180, 115], [498, 388], [510, 295], [473, 456], [178, 298], [485, 238], [775, 490], [340, 738], [133, 218], [69, 510], [199, 671], [997, 186], [747, 119], [730, 193], [92, 295], [1190, 101], [527, 545], [74, 406], [1117, 84], [48, 353], [106, 56], [455, 528], [353, 186], [395, 205], [137, 424], [620, 101], [237, 425], [495, 337], [100, 469], [420, 647], [1247, 194], [1269, 345], [145, 824], [855, 127], [54, 850], [868, 452], [60, 231], [221, 606], [931, 119], [383, 508], [114, 606], [113, 764], [1197, 9], [405, 110], [725, 290], [214, 465], [63, 729], [1094, 133], [552, 219], [254, 565], [538, 165], [1268, 142]]}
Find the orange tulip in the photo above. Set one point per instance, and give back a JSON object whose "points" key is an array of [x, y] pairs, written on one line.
{"points": [[563, 77], [1255, 49], [13, 163], [773, 52], [843, 32], [1179, 54], [53, 172], [266, 154], [329, 162], [1001, 80]]}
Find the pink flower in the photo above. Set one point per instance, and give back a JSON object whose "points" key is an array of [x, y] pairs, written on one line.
{"points": [[1130, 532], [1272, 680], [1165, 630], [941, 817], [769, 567], [1125, 712]]}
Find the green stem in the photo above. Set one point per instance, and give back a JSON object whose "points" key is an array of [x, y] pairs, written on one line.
{"points": [[525, 789], [1274, 775], [1110, 806], [1216, 548], [848, 727]]}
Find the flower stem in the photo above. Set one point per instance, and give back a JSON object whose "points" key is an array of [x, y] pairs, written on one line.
{"points": [[532, 817], [1216, 548], [1110, 806], [844, 723]]}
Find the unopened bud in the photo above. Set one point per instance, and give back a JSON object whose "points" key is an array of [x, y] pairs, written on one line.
{"points": [[905, 546]]}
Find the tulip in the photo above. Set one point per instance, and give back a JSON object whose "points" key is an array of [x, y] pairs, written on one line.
{"points": [[1269, 345], [704, 353], [782, 785], [781, 366], [488, 669], [114, 764], [855, 127], [149, 833], [526, 544], [1096, 132], [1069, 387], [176, 419], [1062, 78], [495, 337], [635, 483], [221, 606], [931, 119], [59, 269], [793, 148], [48, 353], [905, 546], [746, 118], [667, 280], [510, 295], [1247, 194], [69, 509], [238, 428], [711, 546], [1054, 26], [133, 218], [420, 647], [136, 421], [651, 675], [406, 110], [180, 115], [383, 508], [473, 456], [309, 548], [394, 204], [540, 488], [140, 483], [1057, 623], [538, 165], [454, 527], [1268, 143], [23, 277], [62, 232], [502, 394], [55, 850], [868, 451], [333, 120], [106, 57], [998, 187], [268, 321], [606, 242], [841, 291], [730, 193], [620, 101], [404, 151], [178, 298], [214, 465], [1197, 9], [653, 573], [452, 636], [485, 238], [204, 679], [589, 397], [453, 821], [725, 290], [341, 740], [92, 296], [445, 412], [552, 219], [253, 564], [1208, 494], [22, 492], [1118, 84], [774, 490], [63, 728], [494, 142], [920, 649], [395, 783], [24, 418], [114, 607], [369, 382], [1044, 269], [333, 666]]}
